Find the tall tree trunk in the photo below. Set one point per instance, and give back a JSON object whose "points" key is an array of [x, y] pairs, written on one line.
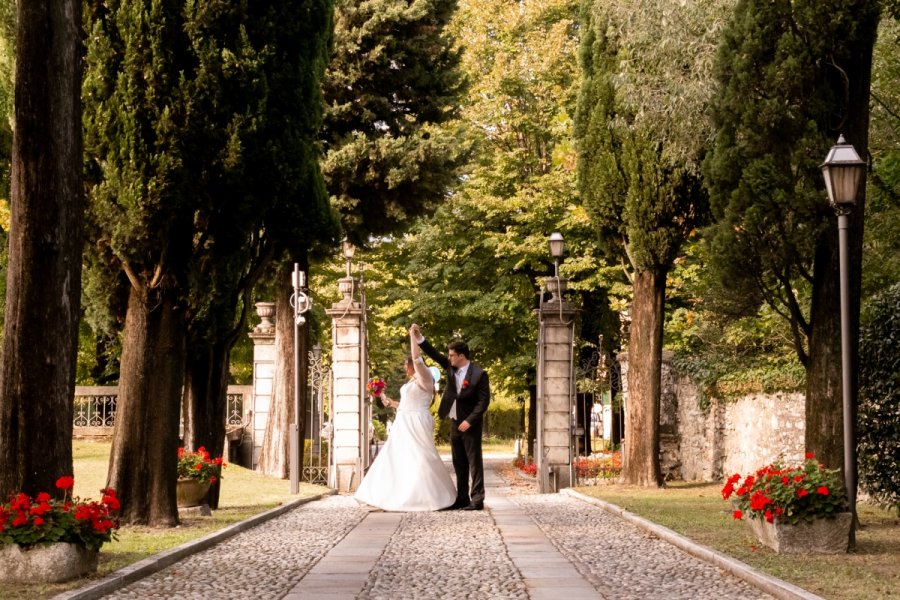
{"points": [[824, 420], [37, 376], [203, 406], [274, 459], [824, 398], [640, 465], [143, 463]]}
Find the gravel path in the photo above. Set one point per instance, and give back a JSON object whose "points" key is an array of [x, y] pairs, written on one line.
{"points": [[526, 546], [263, 562], [625, 562]]}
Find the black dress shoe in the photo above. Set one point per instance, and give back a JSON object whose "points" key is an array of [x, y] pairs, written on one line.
{"points": [[474, 506]]}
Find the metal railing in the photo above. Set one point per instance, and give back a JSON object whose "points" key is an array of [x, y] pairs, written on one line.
{"points": [[95, 409]]}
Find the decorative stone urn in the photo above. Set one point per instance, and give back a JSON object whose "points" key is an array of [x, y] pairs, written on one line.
{"points": [[190, 492], [45, 563], [556, 286], [265, 310], [821, 536]]}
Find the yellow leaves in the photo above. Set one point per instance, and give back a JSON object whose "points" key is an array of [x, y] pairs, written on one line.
{"points": [[4, 214]]}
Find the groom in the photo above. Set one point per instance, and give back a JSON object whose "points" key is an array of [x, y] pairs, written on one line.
{"points": [[465, 400]]}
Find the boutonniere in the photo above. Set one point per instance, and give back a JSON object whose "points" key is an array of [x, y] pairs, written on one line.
{"points": [[465, 383]]}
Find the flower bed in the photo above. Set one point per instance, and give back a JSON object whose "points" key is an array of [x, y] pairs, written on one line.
{"points": [[789, 494], [602, 467], [198, 465], [526, 466], [27, 521], [598, 468], [47, 540]]}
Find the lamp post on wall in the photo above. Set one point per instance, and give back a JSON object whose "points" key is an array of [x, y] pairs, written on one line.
{"points": [[843, 170], [301, 303]]}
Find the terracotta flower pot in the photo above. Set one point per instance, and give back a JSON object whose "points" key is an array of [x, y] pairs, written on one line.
{"points": [[45, 563], [190, 492], [821, 536]]}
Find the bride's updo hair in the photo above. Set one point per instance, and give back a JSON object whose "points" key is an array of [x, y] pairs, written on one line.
{"points": [[408, 361]]}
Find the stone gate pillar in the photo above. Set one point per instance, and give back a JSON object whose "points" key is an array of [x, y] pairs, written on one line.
{"points": [[263, 336], [555, 390], [349, 449]]}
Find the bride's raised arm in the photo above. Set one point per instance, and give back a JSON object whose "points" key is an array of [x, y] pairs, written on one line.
{"points": [[423, 376]]}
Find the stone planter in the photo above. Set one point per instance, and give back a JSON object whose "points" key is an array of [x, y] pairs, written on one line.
{"points": [[190, 492], [822, 536], [45, 563]]}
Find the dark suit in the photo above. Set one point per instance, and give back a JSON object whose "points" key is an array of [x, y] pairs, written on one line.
{"points": [[471, 404]]}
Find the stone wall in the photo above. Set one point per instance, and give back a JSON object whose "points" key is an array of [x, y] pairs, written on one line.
{"points": [[734, 436]]}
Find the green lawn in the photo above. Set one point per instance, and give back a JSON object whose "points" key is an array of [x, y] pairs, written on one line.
{"points": [[698, 512], [244, 493]]}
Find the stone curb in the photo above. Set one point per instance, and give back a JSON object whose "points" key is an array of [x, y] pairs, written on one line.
{"points": [[771, 585], [128, 575]]}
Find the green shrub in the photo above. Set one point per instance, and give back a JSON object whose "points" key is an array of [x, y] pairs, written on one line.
{"points": [[879, 409], [380, 429], [502, 422]]}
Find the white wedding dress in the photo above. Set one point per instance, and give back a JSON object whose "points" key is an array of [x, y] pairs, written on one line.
{"points": [[408, 473]]}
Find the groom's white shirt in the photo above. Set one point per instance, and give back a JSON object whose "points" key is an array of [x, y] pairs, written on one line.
{"points": [[460, 377]]}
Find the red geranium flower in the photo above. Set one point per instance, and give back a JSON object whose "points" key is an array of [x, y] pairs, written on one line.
{"points": [[45, 519], [789, 494], [737, 515]]}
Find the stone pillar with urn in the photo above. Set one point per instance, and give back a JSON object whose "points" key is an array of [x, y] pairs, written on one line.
{"points": [[349, 450], [263, 336], [555, 383]]}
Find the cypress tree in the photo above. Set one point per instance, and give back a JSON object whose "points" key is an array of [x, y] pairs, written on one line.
{"points": [[393, 80], [201, 118], [792, 76], [640, 133]]}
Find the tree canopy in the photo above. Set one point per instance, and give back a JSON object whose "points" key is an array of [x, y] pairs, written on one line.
{"points": [[391, 83], [202, 153], [789, 83]]}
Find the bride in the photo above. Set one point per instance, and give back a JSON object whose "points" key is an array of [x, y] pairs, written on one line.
{"points": [[408, 473]]}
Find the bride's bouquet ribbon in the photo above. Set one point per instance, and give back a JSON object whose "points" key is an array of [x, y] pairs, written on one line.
{"points": [[375, 386]]}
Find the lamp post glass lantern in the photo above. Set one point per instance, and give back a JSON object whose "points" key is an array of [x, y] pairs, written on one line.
{"points": [[348, 250], [557, 245], [843, 171]]}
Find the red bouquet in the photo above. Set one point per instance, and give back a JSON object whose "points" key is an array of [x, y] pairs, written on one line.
{"points": [[376, 386]]}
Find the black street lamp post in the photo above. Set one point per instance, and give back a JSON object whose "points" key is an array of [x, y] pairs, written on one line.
{"points": [[843, 170], [301, 303]]}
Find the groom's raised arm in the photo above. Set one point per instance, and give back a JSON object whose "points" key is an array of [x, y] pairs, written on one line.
{"points": [[430, 351]]}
